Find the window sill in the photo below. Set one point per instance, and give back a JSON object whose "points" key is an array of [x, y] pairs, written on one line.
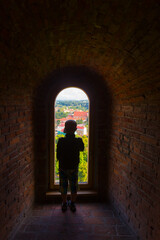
{"points": [[81, 195]]}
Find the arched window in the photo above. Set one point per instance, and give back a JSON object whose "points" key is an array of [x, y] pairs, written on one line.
{"points": [[72, 103]]}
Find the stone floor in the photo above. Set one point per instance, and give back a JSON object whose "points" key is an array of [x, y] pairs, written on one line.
{"points": [[95, 221]]}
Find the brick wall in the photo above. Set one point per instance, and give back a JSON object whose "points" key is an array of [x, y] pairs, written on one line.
{"points": [[16, 164], [120, 41], [135, 167]]}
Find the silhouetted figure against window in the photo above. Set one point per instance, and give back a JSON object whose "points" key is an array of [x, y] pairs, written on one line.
{"points": [[68, 149]]}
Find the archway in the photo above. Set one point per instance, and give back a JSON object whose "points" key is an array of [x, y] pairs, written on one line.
{"points": [[100, 126], [72, 104]]}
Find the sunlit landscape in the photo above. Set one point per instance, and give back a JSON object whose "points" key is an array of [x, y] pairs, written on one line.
{"points": [[77, 110]]}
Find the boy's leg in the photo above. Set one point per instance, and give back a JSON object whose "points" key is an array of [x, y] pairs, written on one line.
{"points": [[74, 187], [63, 189]]}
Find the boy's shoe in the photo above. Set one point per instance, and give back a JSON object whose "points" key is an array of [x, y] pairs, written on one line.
{"points": [[72, 206], [64, 206]]}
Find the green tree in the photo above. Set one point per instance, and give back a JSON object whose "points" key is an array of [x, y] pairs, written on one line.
{"points": [[56, 160], [82, 173], [58, 122], [83, 164], [79, 121]]}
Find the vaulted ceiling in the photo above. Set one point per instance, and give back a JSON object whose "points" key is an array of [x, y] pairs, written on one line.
{"points": [[118, 39]]}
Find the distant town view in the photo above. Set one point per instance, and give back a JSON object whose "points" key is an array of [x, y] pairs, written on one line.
{"points": [[72, 110], [77, 110]]}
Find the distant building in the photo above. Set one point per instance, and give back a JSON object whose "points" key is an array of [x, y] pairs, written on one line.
{"points": [[60, 127], [81, 130], [62, 120], [77, 115], [80, 115], [69, 110]]}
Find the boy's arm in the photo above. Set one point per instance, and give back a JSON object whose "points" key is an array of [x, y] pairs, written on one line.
{"points": [[58, 149], [81, 144]]}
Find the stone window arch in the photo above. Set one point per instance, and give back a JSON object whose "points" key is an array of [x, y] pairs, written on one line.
{"points": [[54, 185], [100, 126]]}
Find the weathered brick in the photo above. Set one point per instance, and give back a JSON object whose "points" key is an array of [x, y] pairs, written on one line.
{"points": [[11, 168], [127, 108], [4, 116], [148, 139], [140, 161], [14, 140], [5, 130], [10, 136], [2, 139], [10, 109]]}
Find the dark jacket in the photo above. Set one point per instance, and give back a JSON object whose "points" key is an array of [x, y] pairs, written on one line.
{"points": [[68, 149]]}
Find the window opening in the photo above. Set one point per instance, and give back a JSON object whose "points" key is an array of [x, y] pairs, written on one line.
{"points": [[73, 103]]}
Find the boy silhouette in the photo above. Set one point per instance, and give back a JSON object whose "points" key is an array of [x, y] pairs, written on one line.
{"points": [[68, 149]]}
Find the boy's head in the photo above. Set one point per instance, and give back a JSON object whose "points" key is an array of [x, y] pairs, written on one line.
{"points": [[70, 126]]}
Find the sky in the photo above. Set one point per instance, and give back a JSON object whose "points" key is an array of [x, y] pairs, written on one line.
{"points": [[72, 94]]}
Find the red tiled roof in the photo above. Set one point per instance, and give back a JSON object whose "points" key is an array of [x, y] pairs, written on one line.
{"points": [[80, 127], [62, 119], [61, 125], [69, 117], [79, 118], [80, 114]]}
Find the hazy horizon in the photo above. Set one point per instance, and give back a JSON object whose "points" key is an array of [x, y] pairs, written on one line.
{"points": [[72, 93], [71, 100]]}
